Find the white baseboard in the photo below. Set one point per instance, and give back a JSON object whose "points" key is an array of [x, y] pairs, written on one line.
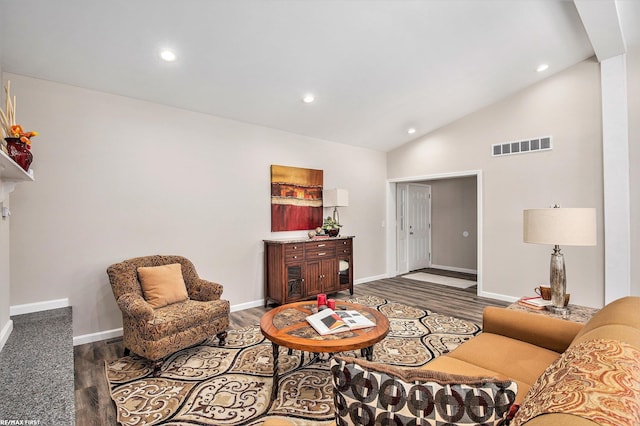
{"points": [[94, 337], [28, 308], [498, 296], [247, 305], [5, 333], [369, 279], [455, 269]]}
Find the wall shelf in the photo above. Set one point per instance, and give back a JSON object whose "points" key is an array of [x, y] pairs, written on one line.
{"points": [[10, 175]]}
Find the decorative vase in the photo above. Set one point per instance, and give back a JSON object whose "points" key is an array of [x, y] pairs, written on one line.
{"points": [[333, 232], [19, 152]]}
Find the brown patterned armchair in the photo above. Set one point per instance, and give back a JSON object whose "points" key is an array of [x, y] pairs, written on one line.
{"points": [[156, 333]]}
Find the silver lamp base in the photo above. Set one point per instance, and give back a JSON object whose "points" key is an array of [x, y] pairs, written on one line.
{"points": [[558, 282], [556, 310]]}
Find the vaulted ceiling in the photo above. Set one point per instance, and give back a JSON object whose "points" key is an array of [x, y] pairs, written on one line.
{"points": [[376, 68]]}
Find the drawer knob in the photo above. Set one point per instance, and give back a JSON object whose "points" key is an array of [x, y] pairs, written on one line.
{"points": [[321, 254], [295, 257], [321, 245]]}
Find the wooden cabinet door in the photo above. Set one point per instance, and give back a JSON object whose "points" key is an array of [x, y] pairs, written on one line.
{"points": [[313, 283], [345, 272], [345, 265], [295, 284], [321, 277], [329, 275]]}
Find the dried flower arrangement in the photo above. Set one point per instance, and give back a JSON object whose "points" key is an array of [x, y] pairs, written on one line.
{"points": [[8, 120]]}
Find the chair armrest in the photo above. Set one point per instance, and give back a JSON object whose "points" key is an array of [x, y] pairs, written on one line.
{"points": [[540, 330], [135, 306], [205, 291]]}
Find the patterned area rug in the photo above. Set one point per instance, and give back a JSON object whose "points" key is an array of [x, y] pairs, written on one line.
{"points": [[231, 385]]}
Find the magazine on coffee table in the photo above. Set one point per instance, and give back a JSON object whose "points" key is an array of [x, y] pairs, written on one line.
{"points": [[329, 321]]}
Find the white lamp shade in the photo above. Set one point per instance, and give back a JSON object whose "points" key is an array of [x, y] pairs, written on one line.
{"points": [[560, 226], [335, 198]]}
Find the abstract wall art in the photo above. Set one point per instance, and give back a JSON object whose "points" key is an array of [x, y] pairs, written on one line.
{"points": [[296, 198]]}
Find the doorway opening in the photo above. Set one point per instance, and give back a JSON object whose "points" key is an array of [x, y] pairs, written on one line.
{"points": [[436, 227]]}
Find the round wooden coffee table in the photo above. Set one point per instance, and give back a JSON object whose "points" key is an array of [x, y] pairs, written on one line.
{"points": [[287, 326]]}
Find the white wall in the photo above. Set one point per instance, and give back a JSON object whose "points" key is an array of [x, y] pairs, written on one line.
{"points": [[118, 178], [567, 106], [5, 325], [453, 211], [633, 91]]}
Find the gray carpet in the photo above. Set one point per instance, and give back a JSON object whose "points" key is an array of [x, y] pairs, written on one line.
{"points": [[36, 369]]}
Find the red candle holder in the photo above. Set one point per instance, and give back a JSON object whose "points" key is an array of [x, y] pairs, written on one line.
{"points": [[322, 300]]}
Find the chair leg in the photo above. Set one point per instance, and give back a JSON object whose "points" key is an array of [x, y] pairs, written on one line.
{"points": [[157, 365], [127, 352], [221, 338]]}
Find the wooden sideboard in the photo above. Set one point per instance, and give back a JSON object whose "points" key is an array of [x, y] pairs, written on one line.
{"points": [[300, 269]]}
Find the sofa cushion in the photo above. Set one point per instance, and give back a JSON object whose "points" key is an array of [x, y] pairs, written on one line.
{"points": [[624, 311], [597, 380], [368, 393], [619, 320], [623, 333], [508, 357], [162, 285]]}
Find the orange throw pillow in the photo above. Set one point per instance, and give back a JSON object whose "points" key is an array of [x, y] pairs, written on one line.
{"points": [[162, 285]]}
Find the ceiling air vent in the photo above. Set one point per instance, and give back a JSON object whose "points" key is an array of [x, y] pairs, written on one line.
{"points": [[521, 147]]}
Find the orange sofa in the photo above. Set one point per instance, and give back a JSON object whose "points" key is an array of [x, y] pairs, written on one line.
{"points": [[568, 374], [530, 349]]}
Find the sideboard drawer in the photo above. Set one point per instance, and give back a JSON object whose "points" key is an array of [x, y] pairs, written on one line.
{"points": [[293, 252], [320, 245], [328, 250], [343, 247]]}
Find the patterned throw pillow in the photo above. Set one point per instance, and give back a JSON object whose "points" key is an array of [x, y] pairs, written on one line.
{"points": [[366, 393], [597, 380]]}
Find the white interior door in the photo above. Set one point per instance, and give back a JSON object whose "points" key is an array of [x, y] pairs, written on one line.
{"points": [[419, 226], [402, 228]]}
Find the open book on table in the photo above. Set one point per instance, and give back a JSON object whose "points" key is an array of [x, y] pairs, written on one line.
{"points": [[329, 321]]}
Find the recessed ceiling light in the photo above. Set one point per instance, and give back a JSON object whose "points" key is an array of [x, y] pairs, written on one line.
{"points": [[411, 130], [542, 67], [168, 55], [308, 98]]}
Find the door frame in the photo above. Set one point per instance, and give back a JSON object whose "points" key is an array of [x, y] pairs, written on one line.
{"points": [[392, 249]]}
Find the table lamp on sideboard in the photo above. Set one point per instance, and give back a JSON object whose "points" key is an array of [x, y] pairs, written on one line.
{"points": [[559, 226], [335, 198]]}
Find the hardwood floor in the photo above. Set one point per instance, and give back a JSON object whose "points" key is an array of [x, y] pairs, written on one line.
{"points": [[93, 402]]}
